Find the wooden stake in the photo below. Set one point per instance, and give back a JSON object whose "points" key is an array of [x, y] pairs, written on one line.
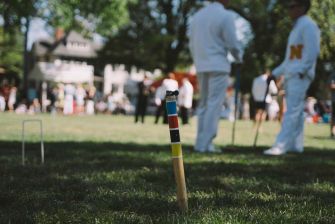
{"points": [[177, 155]]}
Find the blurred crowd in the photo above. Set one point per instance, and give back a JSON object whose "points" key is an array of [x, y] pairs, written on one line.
{"points": [[67, 99], [78, 99]]}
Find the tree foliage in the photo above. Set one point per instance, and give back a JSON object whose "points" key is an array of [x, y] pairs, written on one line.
{"points": [[271, 25], [15, 14], [152, 34], [88, 17], [324, 13], [13, 11], [11, 47], [157, 34], [156, 37]]}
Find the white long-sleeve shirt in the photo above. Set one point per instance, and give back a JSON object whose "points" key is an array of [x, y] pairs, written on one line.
{"points": [[212, 35], [185, 96], [169, 85], [302, 50], [259, 86]]}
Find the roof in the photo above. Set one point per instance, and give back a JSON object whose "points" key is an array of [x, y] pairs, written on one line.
{"points": [[72, 44], [41, 46], [39, 49]]}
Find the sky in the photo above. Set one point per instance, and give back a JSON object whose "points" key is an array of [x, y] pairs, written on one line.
{"points": [[37, 31]]}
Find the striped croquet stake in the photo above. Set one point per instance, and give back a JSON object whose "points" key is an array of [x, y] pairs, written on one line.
{"points": [[177, 154]]}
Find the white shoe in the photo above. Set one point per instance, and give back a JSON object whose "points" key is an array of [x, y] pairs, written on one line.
{"points": [[212, 149], [274, 151], [199, 150], [298, 151]]}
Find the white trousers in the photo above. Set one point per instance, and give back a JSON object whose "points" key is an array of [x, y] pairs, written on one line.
{"points": [[213, 86], [68, 105], [291, 135]]}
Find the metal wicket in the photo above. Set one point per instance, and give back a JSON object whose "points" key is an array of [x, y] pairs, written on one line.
{"points": [[23, 138], [237, 89]]}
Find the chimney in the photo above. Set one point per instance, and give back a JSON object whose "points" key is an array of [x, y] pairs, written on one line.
{"points": [[59, 33]]}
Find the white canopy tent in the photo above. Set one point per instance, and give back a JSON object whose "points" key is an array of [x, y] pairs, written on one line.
{"points": [[65, 72]]}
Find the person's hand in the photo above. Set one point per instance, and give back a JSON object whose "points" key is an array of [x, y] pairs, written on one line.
{"points": [[279, 81], [271, 78], [281, 93], [239, 61]]}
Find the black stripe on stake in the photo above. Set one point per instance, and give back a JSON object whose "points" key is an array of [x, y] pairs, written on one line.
{"points": [[174, 136]]}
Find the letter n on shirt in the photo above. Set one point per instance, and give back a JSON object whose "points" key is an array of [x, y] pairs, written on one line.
{"points": [[296, 51]]}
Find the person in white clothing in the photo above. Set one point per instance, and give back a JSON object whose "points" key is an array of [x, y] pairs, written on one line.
{"points": [[159, 98], [273, 109], [68, 100], [260, 87], [168, 84], [298, 71], [12, 98], [89, 108], [80, 94], [2, 103], [212, 36], [185, 100]]}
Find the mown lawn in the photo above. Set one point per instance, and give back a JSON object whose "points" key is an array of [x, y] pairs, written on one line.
{"points": [[106, 169]]}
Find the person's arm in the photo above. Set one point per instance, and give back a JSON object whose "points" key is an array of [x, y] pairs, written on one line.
{"points": [[279, 71], [191, 42], [229, 34], [253, 88], [332, 84], [311, 42], [273, 88]]}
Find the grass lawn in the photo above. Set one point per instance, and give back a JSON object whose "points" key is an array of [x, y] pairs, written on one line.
{"points": [[106, 169]]}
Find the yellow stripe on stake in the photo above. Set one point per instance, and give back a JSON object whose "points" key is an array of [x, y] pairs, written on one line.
{"points": [[176, 150]]}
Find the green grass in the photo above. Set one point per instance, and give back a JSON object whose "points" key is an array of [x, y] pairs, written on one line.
{"points": [[106, 169]]}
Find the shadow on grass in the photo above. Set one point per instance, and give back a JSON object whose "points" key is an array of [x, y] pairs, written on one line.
{"points": [[323, 138], [84, 178]]}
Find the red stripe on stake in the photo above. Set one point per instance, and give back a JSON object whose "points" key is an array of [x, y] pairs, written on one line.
{"points": [[173, 122]]}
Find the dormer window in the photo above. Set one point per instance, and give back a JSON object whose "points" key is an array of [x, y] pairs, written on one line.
{"points": [[78, 46]]}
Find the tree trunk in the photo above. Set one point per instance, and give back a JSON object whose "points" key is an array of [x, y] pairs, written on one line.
{"points": [[25, 58]]}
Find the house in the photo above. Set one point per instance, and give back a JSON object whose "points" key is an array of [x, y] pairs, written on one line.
{"points": [[67, 58]]}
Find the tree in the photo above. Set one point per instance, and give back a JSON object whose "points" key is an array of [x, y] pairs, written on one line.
{"points": [[87, 17], [11, 48], [16, 14], [99, 16], [156, 37], [267, 47], [270, 29], [152, 34], [324, 13]]}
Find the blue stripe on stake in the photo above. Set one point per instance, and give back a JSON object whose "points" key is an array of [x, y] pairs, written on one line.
{"points": [[171, 107]]}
